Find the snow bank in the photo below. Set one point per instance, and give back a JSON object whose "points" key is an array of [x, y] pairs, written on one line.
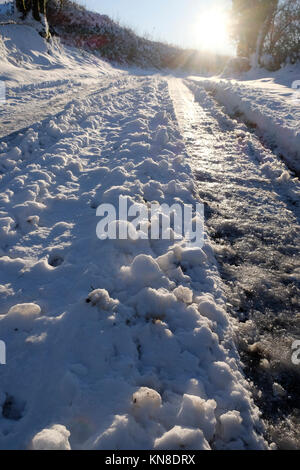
{"points": [[270, 103], [41, 77], [26, 58]]}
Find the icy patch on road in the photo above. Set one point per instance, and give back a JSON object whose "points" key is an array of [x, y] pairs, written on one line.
{"points": [[252, 214], [275, 113]]}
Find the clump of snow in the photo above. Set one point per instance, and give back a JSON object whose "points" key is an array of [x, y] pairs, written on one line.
{"points": [[21, 315], [182, 438], [199, 413], [6, 9], [101, 298], [54, 438], [231, 425], [184, 294], [190, 256], [144, 270], [278, 390], [146, 403]]}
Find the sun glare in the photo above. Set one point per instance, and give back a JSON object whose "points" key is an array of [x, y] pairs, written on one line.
{"points": [[211, 31]]}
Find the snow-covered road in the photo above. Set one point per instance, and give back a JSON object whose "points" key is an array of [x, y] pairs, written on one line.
{"points": [[133, 344], [149, 361], [272, 108], [252, 213], [28, 105]]}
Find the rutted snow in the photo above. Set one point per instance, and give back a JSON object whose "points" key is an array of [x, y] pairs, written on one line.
{"points": [[252, 213], [121, 344], [41, 77], [270, 103]]}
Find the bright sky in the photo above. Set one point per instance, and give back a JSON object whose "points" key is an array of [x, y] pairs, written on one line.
{"points": [[199, 24]]}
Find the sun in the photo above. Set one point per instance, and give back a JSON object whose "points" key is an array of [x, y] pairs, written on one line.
{"points": [[211, 30]]}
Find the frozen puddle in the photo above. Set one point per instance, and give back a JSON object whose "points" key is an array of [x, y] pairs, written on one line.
{"points": [[251, 214]]}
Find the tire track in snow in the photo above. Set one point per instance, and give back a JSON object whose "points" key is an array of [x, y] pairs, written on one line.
{"points": [[270, 110], [40, 115], [251, 215], [46, 101]]}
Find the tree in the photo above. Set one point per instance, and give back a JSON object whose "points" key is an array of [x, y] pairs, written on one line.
{"points": [[282, 42], [266, 13], [21, 7], [38, 9], [251, 24]]}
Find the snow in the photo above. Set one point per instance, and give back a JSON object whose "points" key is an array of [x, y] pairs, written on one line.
{"points": [[32, 92], [6, 8], [231, 424], [252, 216], [182, 438], [22, 316], [269, 100], [55, 438], [27, 59], [199, 413], [111, 344], [146, 403]]}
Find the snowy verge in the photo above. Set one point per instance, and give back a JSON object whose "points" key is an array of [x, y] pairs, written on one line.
{"points": [[38, 78], [25, 58], [273, 107]]}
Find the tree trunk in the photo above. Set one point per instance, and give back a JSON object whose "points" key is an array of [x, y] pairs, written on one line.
{"points": [[259, 45], [21, 7], [264, 31], [42, 6], [38, 8]]}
